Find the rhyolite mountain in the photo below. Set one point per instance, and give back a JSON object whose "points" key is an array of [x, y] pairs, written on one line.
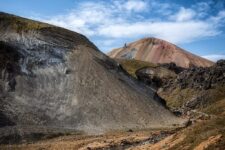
{"points": [[158, 51], [53, 78]]}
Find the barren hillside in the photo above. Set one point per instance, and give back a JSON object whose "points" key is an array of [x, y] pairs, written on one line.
{"points": [[55, 79], [158, 51]]}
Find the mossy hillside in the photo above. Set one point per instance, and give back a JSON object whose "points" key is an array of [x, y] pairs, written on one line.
{"points": [[176, 97], [20, 24], [131, 66], [216, 109], [201, 131]]}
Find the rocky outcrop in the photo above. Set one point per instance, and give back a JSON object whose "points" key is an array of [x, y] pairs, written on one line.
{"points": [[191, 89], [53, 78], [170, 76], [159, 52], [202, 78], [155, 77], [195, 89], [173, 67]]}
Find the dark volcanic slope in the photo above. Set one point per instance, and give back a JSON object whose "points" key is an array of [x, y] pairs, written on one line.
{"points": [[52, 77], [159, 51]]}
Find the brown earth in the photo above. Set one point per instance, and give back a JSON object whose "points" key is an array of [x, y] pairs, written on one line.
{"points": [[158, 51], [210, 141], [116, 141], [164, 144]]}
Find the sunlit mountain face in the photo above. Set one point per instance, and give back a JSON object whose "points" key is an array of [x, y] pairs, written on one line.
{"points": [[158, 51], [197, 26]]}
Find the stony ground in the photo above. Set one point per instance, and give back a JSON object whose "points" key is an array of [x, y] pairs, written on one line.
{"points": [[202, 135], [116, 140]]}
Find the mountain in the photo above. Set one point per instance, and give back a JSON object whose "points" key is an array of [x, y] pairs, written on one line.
{"points": [[55, 80], [204, 107], [197, 93], [156, 51]]}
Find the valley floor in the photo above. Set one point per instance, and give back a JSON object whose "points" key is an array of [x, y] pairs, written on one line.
{"points": [[205, 134], [119, 140]]}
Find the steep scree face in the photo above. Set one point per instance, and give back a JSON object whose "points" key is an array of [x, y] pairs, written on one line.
{"points": [[159, 51], [52, 77]]}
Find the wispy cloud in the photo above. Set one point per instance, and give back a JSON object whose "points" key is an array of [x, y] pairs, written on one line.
{"points": [[214, 57], [176, 32], [132, 5], [118, 20], [183, 14]]}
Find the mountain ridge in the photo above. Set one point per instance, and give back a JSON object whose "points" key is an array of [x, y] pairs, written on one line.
{"points": [[155, 50]]}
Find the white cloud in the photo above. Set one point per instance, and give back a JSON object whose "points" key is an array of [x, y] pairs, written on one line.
{"points": [[202, 8], [135, 5], [219, 19], [214, 57], [84, 19], [119, 19], [176, 32], [131, 5], [184, 15], [164, 9]]}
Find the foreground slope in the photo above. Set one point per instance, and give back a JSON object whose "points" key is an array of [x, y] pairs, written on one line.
{"points": [[206, 109], [55, 78], [158, 51]]}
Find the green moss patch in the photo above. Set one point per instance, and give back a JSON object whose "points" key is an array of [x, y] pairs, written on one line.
{"points": [[20, 24], [131, 66]]}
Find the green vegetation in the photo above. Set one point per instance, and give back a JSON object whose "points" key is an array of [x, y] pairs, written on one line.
{"points": [[201, 131], [177, 97], [214, 105], [216, 109], [131, 66], [20, 24]]}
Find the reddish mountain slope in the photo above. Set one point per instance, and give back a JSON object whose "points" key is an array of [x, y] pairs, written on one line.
{"points": [[158, 51]]}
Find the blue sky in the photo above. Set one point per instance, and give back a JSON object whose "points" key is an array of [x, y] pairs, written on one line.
{"points": [[195, 25]]}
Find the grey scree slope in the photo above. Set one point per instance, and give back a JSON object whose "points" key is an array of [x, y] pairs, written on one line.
{"points": [[51, 77]]}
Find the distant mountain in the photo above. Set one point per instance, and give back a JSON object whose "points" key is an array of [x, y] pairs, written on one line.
{"points": [[55, 79], [155, 50]]}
